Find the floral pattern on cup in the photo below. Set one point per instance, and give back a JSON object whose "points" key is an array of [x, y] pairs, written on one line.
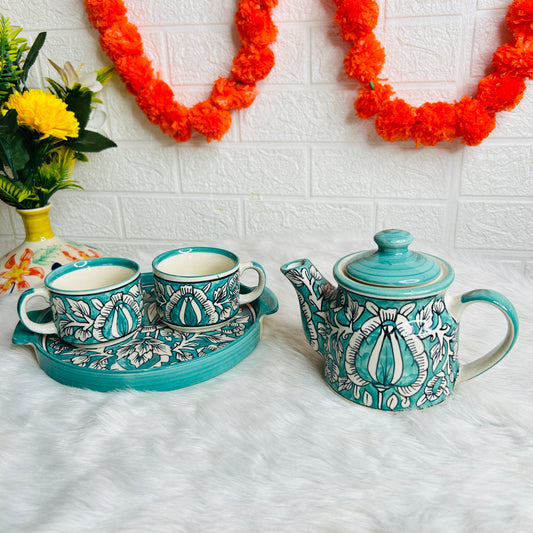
{"points": [[214, 302], [94, 301], [95, 320], [199, 287]]}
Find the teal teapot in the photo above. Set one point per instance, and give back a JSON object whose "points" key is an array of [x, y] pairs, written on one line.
{"points": [[388, 333]]}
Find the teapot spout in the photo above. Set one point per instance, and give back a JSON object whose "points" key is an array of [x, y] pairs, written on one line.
{"points": [[315, 295]]}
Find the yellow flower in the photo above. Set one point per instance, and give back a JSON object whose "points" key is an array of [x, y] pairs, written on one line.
{"points": [[45, 113]]}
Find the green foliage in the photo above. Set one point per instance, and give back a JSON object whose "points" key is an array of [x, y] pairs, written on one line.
{"points": [[32, 166], [55, 175], [15, 193], [12, 49]]}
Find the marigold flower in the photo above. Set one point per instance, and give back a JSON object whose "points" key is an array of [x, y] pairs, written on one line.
{"points": [[371, 98], [474, 122], [514, 59], [365, 59], [252, 63], [500, 93], [254, 24], [519, 19], [45, 113], [435, 122], [104, 13], [175, 122], [154, 98], [209, 120], [395, 119], [121, 39], [135, 71], [356, 18], [232, 94]]}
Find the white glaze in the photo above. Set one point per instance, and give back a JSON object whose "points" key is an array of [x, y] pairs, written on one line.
{"points": [[92, 278], [196, 264]]}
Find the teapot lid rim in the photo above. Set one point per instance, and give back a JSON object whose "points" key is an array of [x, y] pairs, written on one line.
{"points": [[387, 291], [393, 268]]}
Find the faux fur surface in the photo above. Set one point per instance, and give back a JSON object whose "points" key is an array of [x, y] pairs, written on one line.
{"points": [[267, 446]]}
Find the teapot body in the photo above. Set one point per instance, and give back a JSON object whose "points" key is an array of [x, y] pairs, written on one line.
{"points": [[388, 332], [390, 354]]}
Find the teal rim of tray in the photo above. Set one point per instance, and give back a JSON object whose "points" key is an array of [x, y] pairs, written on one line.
{"points": [[157, 358]]}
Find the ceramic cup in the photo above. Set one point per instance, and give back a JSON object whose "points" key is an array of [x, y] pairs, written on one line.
{"points": [[93, 301], [199, 287]]}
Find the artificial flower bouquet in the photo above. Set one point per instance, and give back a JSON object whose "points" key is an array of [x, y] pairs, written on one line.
{"points": [[43, 132]]}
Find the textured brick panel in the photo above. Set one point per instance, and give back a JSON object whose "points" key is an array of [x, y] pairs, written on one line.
{"points": [[425, 221], [490, 4], [403, 8], [495, 225], [85, 216], [244, 171], [200, 57], [304, 115], [291, 53], [382, 171], [164, 13], [5, 221], [492, 170], [529, 270], [177, 218], [304, 10], [45, 14], [422, 49], [327, 55], [131, 169], [275, 216], [435, 92], [489, 33]]}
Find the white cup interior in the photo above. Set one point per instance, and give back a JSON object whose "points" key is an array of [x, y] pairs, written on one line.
{"points": [[196, 264], [92, 278]]}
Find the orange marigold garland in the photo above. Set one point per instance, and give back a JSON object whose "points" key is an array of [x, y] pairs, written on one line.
{"points": [[472, 118], [122, 42]]}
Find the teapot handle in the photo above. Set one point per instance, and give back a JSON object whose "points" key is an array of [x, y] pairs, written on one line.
{"points": [[494, 298]]}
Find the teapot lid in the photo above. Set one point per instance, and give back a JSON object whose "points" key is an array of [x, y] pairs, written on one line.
{"points": [[394, 268]]}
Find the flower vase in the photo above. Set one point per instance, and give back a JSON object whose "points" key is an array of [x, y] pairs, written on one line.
{"points": [[41, 252]]}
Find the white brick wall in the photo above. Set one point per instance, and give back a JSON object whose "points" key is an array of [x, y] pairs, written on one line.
{"points": [[298, 159]]}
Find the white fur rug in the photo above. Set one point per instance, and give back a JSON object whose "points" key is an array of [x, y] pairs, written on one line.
{"points": [[267, 446]]}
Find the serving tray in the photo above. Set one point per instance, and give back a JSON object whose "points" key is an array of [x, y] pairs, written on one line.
{"points": [[156, 358]]}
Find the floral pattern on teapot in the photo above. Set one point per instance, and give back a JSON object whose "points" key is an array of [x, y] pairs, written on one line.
{"points": [[384, 354]]}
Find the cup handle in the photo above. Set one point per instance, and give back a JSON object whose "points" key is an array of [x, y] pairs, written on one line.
{"points": [[46, 328], [255, 293], [483, 363]]}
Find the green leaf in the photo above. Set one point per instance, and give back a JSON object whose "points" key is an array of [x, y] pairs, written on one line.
{"points": [[33, 54], [103, 75], [13, 150], [12, 49], [79, 102], [14, 193], [8, 123], [56, 88], [90, 141], [81, 157]]}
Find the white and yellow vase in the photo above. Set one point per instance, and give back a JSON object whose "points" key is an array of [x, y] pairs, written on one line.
{"points": [[41, 252]]}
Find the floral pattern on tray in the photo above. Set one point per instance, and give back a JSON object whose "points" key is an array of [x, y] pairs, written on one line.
{"points": [[155, 346]]}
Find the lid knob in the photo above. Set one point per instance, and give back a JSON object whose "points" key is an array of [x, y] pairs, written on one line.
{"points": [[393, 241], [393, 264]]}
